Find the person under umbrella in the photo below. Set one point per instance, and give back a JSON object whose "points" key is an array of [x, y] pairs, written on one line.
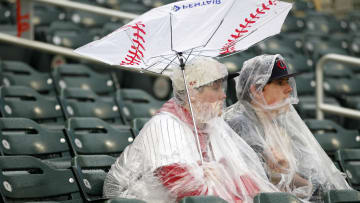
{"points": [[265, 118], [163, 163]]}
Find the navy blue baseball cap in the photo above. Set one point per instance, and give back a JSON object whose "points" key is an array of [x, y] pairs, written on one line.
{"points": [[280, 70]]}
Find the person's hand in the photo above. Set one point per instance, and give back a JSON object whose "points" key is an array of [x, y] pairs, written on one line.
{"points": [[277, 162]]}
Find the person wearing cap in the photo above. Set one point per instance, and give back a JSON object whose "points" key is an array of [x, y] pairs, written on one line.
{"points": [[265, 118], [163, 164]]}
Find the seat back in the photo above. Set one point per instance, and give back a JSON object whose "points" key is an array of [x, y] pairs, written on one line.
{"points": [[94, 136], [26, 178], [276, 197], [138, 123], [81, 76], [15, 73], [332, 136], [338, 196], [202, 199], [85, 103], [350, 163], [90, 172], [136, 103], [20, 101], [22, 136]]}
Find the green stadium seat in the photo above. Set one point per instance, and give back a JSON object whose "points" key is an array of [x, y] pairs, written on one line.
{"points": [[85, 103], [233, 63], [332, 136], [89, 136], [90, 172], [138, 123], [293, 24], [305, 84], [136, 103], [67, 34], [355, 45], [124, 200], [276, 197], [20, 101], [341, 196], [21, 74], [337, 70], [307, 107], [202, 199], [82, 76], [349, 160], [28, 179], [22, 136], [88, 19]]}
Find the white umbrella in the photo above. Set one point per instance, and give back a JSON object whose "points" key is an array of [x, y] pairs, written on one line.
{"points": [[177, 32]]}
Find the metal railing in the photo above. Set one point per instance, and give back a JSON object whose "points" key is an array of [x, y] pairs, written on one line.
{"points": [[321, 107]]}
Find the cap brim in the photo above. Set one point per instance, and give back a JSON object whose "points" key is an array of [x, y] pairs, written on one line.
{"points": [[286, 76], [232, 75]]}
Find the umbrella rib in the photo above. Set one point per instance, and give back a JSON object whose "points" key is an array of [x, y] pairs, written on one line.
{"points": [[168, 65]]}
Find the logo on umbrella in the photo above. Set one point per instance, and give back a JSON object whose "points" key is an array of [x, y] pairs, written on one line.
{"points": [[197, 4]]}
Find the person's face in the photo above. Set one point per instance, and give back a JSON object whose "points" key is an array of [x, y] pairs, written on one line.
{"points": [[277, 91], [212, 93]]}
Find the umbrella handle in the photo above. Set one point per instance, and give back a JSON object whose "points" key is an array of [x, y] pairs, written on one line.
{"points": [[182, 65]]}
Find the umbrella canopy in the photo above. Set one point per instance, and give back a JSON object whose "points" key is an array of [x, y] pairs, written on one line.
{"points": [[186, 29]]}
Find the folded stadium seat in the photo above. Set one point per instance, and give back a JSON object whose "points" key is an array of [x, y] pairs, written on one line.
{"points": [[138, 123], [136, 7], [90, 172], [276, 197], [7, 14], [293, 40], [332, 136], [136, 103], [16, 73], [67, 34], [202, 199], [28, 179], [88, 19], [355, 45], [22, 136], [89, 136], [337, 196], [110, 27], [316, 47], [20, 101], [85, 103], [306, 107], [349, 160], [305, 84], [348, 92], [293, 24], [337, 70], [82, 76]]}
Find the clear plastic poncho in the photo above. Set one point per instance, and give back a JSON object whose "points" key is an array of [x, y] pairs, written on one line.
{"points": [[163, 163], [291, 156]]}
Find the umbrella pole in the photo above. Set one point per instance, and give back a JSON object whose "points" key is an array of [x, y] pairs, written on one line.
{"points": [[182, 65]]}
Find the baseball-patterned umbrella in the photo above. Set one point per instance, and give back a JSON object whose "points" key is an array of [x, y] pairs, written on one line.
{"points": [[186, 29], [171, 35]]}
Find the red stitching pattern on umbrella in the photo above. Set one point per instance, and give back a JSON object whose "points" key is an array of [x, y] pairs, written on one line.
{"points": [[229, 47], [136, 50]]}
